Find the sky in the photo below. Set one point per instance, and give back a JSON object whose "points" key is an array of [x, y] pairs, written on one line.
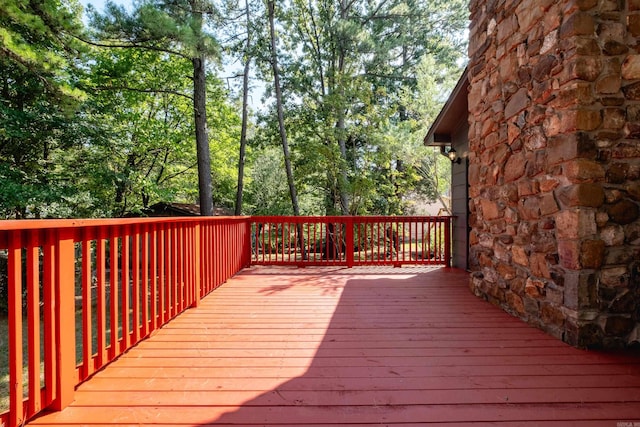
{"points": [[99, 4]]}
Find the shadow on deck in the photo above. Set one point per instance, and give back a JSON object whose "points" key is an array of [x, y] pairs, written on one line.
{"points": [[361, 346]]}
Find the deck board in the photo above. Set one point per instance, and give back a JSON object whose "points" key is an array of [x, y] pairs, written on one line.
{"points": [[354, 347]]}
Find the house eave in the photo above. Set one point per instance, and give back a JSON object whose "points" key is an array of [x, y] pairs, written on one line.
{"points": [[454, 110]]}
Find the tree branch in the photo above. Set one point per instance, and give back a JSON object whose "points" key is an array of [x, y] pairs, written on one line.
{"points": [[390, 77], [374, 15], [132, 45], [168, 177], [133, 89]]}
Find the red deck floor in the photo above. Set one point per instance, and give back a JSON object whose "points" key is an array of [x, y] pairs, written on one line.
{"points": [[362, 346]]}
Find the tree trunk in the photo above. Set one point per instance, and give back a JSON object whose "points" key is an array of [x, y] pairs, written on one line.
{"points": [[343, 179], [245, 115], [205, 186], [398, 187], [283, 131], [400, 169], [280, 109]]}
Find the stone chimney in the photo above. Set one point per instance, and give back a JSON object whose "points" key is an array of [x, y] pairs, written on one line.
{"points": [[554, 175]]}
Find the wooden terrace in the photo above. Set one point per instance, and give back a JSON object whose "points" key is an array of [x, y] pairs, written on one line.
{"points": [[331, 345]]}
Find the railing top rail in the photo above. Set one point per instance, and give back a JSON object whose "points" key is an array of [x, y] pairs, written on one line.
{"points": [[338, 218], [44, 224]]}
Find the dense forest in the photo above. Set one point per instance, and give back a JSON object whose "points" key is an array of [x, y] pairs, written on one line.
{"points": [[261, 106]]}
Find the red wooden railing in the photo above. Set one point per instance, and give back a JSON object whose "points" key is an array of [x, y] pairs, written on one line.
{"points": [[116, 280], [119, 280], [350, 240]]}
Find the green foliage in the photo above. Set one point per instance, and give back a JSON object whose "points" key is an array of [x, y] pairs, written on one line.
{"points": [[267, 191], [350, 70], [177, 29], [148, 154], [87, 131], [37, 38], [224, 133], [170, 26], [38, 105]]}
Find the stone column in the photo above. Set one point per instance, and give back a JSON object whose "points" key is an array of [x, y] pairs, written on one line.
{"points": [[554, 170]]}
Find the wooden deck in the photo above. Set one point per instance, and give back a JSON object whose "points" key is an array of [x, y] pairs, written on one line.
{"points": [[362, 346]]}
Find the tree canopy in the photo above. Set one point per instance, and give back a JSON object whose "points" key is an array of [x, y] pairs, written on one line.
{"points": [[107, 115]]}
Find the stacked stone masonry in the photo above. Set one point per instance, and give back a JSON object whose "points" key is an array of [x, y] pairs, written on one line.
{"points": [[554, 174]]}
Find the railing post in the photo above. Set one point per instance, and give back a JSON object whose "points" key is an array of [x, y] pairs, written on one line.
{"points": [[197, 256], [349, 243], [447, 241], [65, 320]]}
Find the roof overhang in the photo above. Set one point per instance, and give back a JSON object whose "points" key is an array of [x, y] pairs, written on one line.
{"points": [[456, 108]]}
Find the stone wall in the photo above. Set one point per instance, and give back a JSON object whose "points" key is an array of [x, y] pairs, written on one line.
{"points": [[554, 175]]}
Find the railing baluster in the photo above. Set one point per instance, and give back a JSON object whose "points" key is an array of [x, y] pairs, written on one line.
{"points": [[33, 319], [173, 284], [165, 261], [153, 273], [365, 242], [15, 328], [135, 284], [309, 241], [315, 241], [221, 255], [196, 261], [177, 271], [289, 225], [210, 257], [439, 240], [171, 272], [114, 340], [162, 276], [144, 235], [205, 259], [378, 241], [191, 267], [361, 242], [188, 278], [87, 354], [125, 290], [181, 255], [215, 260], [101, 301], [185, 265], [215, 251], [400, 240], [225, 254], [48, 286], [426, 238], [265, 242]]}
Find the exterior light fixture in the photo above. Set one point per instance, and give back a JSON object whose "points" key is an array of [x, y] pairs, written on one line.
{"points": [[453, 156], [451, 153]]}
